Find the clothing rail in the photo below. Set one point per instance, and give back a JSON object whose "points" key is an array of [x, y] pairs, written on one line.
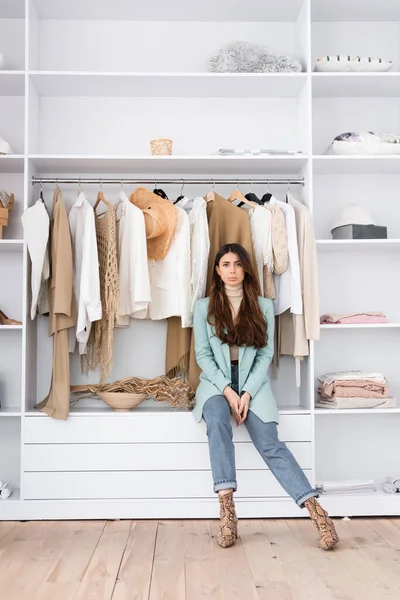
{"points": [[155, 180]]}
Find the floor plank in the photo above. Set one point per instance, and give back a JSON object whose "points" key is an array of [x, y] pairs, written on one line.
{"points": [[334, 572], [373, 546], [362, 567], [76, 545], [168, 579], [266, 570], [181, 560], [387, 530], [301, 574], [24, 564], [396, 521], [134, 577], [234, 571], [8, 532], [99, 580], [201, 575]]}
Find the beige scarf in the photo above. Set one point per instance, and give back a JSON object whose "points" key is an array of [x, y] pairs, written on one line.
{"points": [[100, 351]]}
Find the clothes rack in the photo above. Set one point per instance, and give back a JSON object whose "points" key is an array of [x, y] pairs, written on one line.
{"points": [[130, 181]]}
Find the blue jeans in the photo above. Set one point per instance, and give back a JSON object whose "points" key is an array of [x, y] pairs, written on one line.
{"points": [[281, 462]]}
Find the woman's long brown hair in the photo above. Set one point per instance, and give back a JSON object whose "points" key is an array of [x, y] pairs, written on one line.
{"points": [[250, 327]]}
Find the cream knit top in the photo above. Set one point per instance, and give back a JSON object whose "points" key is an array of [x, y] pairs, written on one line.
{"points": [[235, 295]]}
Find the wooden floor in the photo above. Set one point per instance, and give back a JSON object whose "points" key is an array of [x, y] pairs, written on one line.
{"points": [[176, 560]]}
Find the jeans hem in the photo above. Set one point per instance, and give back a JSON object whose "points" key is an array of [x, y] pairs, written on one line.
{"points": [[225, 484], [306, 496]]}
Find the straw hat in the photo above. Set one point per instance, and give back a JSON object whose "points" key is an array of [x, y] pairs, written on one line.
{"points": [[160, 217]]}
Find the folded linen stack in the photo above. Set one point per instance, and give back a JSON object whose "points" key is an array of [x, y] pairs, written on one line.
{"points": [[361, 318], [348, 486], [354, 389]]}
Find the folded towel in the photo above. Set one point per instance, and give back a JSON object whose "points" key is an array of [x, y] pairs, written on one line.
{"points": [[352, 486], [5, 493], [354, 318], [367, 388], [328, 378], [346, 403], [389, 488]]}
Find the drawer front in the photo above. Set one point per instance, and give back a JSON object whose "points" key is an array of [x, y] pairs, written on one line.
{"points": [[145, 428], [142, 484], [144, 457]]}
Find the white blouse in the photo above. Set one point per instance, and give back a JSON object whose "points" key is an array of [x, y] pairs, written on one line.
{"points": [[36, 225], [199, 247], [260, 225], [134, 282], [170, 276], [86, 271], [288, 284]]}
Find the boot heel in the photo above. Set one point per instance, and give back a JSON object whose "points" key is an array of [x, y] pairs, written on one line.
{"points": [[328, 538], [228, 521]]}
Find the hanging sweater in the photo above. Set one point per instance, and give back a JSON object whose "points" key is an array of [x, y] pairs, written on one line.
{"points": [[235, 295]]}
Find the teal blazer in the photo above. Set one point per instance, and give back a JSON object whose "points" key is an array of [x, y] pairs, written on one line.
{"points": [[213, 358]]}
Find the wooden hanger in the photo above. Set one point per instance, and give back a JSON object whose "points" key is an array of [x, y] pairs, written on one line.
{"points": [[100, 198], [237, 195], [210, 197]]}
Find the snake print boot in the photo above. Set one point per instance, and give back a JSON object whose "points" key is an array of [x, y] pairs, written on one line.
{"points": [[328, 537], [228, 526]]}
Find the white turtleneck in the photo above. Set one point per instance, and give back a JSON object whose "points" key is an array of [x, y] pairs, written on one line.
{"points": [[235, 295]]}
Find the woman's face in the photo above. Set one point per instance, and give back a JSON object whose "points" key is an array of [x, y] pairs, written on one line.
{"points": [[230, 269]]}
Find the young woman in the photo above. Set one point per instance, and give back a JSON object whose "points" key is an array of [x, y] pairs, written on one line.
{"points": [[234, 342]]}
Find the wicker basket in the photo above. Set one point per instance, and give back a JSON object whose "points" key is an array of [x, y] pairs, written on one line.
{"points": [[161, 147], [120, 401]]}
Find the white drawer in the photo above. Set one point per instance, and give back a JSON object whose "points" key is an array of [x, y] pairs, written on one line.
{"points": [[144, 484], [142, 427], [144, 457]]}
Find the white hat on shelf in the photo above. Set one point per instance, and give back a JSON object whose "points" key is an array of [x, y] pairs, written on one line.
{"points": [[353, 214], [5, 147]]}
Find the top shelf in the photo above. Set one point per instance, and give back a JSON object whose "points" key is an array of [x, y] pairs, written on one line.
{"points": [[208, 10], [355, 10], [177, 10]]}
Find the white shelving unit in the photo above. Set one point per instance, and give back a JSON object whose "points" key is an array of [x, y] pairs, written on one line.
{"points": [[83, 96]]}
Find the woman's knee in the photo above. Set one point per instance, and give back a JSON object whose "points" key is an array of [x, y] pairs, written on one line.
{"points": [[216, 411]]}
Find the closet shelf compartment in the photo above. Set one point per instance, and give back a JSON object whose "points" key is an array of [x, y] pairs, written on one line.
{"points": [[9, 412], [356, 10], [353, 85], [355, 165], [168, 85], [109, 412], [168, 165], [11, 246], [12, 163], [356, 411], [349, 245], [12, 83], [361, 326], [177, 10]]}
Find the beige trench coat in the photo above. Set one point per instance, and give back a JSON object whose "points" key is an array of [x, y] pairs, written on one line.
{"points": [[63, 314]]}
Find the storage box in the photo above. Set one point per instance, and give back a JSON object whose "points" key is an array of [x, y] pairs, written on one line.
{"points": [[10, 205], [359, 232]]}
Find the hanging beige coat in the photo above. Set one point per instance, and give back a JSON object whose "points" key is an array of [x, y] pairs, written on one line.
{"points": [[294, 331], [226, 224], [63, 314]]}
